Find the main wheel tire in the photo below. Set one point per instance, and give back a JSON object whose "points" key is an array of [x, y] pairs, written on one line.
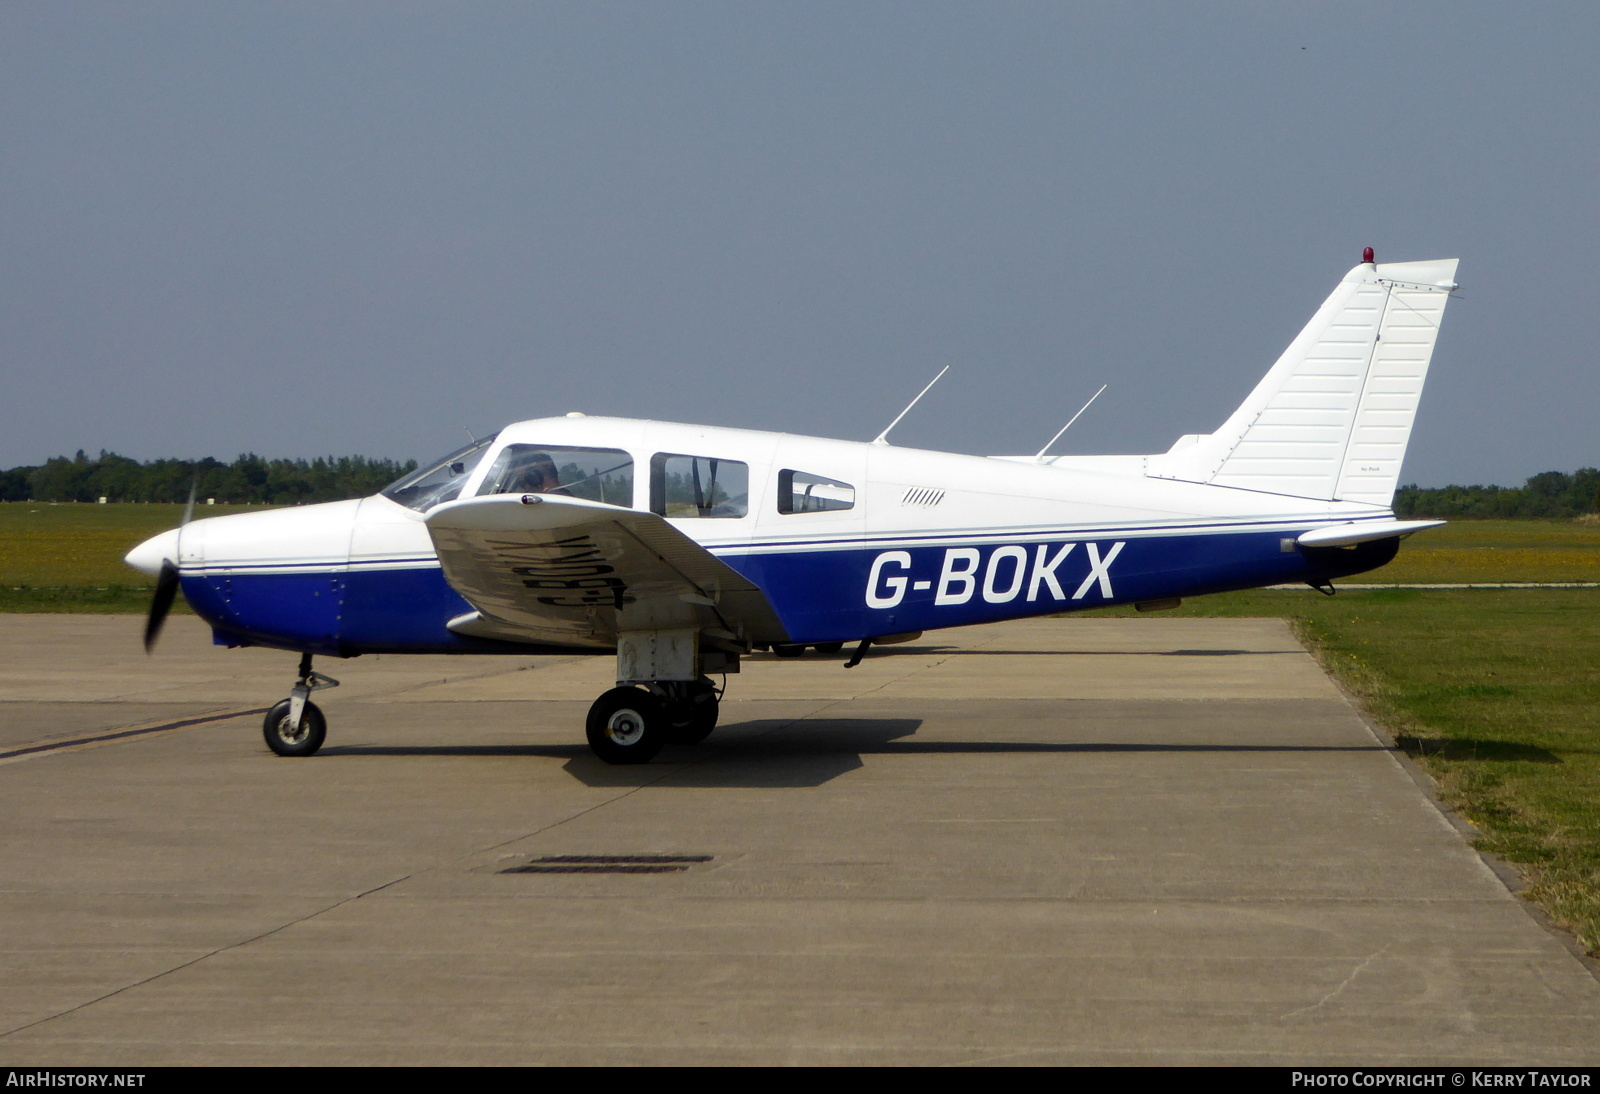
{"points": [[829, 648], [627, 726], [692, 720], [301, 740], [786, 649]]}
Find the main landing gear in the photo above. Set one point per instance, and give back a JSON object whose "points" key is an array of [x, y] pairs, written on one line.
{"points": [[630, 724], [663, 694], [295, 726]]}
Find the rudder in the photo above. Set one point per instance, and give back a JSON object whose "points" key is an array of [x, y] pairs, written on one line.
{"points": [[1332, 418]]}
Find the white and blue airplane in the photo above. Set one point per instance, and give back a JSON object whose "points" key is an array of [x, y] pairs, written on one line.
{"points": [[683, 548]]}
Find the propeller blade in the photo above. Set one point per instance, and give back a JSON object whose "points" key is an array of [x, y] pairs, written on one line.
{"points": [[160, 603], [167, 580]]}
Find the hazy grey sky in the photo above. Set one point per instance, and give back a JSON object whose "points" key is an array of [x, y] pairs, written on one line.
{"points": [[342, 228]]}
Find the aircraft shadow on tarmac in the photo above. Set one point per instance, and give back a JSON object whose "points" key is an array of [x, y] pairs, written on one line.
{"points": [[784, 753], [758, 754]]}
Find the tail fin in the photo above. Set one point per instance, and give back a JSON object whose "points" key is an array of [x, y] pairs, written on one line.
{"points": [[1332, 418]]}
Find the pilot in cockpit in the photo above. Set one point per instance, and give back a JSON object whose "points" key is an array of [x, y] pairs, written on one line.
{"points": [[534, 473]]}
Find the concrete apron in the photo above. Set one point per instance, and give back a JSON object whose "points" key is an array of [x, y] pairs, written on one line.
{"points": [[1061, 841]]}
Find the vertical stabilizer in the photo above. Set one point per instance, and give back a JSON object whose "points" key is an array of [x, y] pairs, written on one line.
{"points": [[1332, 418]]}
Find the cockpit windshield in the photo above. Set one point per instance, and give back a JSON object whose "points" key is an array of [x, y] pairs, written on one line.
{"points": [[440, 482]]}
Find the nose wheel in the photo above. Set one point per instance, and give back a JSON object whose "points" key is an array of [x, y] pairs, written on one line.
{"points": [[287, 737], [295, 726]]}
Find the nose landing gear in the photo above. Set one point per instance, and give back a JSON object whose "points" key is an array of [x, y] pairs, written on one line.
{"points": [[295, 726]]}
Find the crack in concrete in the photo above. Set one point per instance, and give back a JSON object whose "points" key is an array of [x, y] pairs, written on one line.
{"points": [[1345, 983], [196, 960]]}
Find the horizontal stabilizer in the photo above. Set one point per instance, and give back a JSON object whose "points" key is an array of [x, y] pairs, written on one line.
{"points": [[1332, 418], [1348, 535]]}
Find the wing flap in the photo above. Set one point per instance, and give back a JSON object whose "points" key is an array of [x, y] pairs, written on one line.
{"points": [[576, 572]]}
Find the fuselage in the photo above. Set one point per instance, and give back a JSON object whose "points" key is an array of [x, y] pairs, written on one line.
{"points": [[847, 540]]}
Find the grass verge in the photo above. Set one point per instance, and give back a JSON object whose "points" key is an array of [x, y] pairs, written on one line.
{"points": [[103, 600]]}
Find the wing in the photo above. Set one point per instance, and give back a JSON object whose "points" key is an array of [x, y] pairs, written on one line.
{"points": [[546, 568]]}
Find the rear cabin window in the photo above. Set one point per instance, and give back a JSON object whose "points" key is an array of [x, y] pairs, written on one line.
{"points": [[803, 492], [593, 474], [698, 486]]}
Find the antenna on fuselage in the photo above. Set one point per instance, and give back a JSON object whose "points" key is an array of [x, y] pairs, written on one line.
{"points": [[883, 438], [471, 434], [1075, 417]]}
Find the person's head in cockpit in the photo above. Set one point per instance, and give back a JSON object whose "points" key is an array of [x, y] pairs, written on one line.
{"points": [[536, 475]]}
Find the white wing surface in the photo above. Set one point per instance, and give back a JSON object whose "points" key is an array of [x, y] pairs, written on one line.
{"points": [[551, 569]]}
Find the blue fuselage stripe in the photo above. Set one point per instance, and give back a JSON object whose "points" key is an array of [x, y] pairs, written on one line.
{"points": [[820, 595]]}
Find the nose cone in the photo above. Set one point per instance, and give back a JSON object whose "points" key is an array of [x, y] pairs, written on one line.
{"points": [[149, 555]]}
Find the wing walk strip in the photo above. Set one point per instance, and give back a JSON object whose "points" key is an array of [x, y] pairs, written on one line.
{"points": [[91, 740]]}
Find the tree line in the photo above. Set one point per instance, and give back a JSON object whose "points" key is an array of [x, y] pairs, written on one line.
{"points": [[248, 480], [254, 480], [1552, 495]]}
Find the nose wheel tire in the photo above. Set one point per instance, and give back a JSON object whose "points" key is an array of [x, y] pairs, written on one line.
{"points": [[301, 740], [628, 726], [787, 649]]}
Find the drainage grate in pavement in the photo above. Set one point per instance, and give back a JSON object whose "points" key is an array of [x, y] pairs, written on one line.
{"points": [[608, 864]]}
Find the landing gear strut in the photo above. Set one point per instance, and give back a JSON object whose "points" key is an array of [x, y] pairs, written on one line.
{"points": [[662, 696], [295, 726]]}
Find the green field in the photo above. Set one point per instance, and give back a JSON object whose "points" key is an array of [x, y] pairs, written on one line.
{"points": [[1496, 551], [68, 558], [1496, 692]]}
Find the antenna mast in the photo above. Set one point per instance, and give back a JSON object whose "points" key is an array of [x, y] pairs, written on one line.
{"points": [[1075, 417], [883, 438]]}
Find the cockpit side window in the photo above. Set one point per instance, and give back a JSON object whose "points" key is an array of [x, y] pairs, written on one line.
{"points": [[803, 492], [594, 474], [698, 486], [439, 482]]}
